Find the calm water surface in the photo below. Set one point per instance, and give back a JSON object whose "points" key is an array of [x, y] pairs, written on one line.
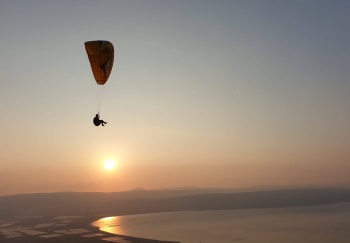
{"points": [[319, 224]]}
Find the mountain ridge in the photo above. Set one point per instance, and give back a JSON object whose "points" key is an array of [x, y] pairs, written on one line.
{"points": [[136, 202]]}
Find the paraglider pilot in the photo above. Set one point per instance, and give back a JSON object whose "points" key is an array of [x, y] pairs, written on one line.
{"points": [[98, 122]]}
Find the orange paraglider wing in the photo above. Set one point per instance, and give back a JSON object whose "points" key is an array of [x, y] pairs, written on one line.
{"points": [[101, 57]]}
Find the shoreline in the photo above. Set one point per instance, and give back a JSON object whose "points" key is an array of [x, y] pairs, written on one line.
{"points": [[23, 216], [127, 237], [62, 229]]}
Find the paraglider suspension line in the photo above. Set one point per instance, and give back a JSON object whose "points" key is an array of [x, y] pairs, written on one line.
{"points": [[99, 97]]}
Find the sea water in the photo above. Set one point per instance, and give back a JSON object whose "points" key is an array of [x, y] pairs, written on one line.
{"points": [[319, 224]]}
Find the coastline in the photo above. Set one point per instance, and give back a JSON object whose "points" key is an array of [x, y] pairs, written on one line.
{"points": [[132, 239], [62, 229], [19, 220]]}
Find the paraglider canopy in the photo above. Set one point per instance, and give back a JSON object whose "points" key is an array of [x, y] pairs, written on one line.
{"points": [[101, 57]]}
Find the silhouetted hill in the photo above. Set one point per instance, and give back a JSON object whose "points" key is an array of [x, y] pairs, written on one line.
{"points": [[133, 202]]}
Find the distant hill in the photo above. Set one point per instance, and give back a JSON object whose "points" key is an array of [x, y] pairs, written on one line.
{"points": [[144, 201], [138, 189]]}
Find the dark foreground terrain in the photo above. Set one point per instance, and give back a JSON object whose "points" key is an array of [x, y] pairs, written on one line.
{"points": [[67, 217]]}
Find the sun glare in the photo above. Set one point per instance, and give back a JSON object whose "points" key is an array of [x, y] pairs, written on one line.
{"points": [[109, 164]]}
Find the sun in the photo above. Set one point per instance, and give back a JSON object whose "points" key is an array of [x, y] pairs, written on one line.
{"points": [[109, 164]]}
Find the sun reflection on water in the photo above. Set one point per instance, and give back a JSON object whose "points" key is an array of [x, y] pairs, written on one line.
{"points": [[108, 219], [110, 225]]}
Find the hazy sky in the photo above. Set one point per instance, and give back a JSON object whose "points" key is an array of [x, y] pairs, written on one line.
{"points": [[203, 93]]}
